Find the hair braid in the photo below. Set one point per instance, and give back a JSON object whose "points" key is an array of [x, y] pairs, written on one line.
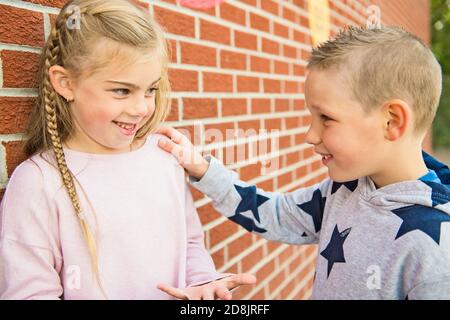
{"points": [[51, 100]]}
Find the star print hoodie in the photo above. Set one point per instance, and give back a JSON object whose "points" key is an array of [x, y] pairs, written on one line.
{"points": [[386, 243]]}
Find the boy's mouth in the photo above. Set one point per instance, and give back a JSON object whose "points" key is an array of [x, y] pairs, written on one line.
{"points": [[326, 159]]}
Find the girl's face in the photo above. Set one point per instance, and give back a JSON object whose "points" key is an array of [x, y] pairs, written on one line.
{"points": [[110, 105]]}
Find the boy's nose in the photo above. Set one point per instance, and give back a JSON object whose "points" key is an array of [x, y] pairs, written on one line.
{"points": [[313, 136]]}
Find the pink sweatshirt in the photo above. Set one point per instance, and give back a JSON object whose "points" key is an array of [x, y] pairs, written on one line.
{"points": [[146, 227]]}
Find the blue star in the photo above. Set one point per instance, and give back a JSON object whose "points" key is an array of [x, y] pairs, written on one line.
{"points": [[351, 185], [247, 223], [334, 252], [250, 200], [417, 217], [315, 208]]}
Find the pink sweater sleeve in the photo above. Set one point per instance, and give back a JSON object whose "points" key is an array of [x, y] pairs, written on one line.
{"points": [[200, 266], [29, 256]]}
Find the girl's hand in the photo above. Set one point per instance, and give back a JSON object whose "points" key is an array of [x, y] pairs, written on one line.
{"points": [[183, 150], [219, 289]]}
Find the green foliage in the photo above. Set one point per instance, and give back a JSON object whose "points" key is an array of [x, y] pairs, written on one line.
{"points": [[440, 19]]}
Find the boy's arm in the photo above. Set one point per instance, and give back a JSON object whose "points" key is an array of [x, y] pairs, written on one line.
{"points": [[291, 218], [294, 217]]}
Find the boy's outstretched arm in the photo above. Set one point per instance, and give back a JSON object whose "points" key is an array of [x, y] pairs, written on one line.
{"points": [[294, 217]]}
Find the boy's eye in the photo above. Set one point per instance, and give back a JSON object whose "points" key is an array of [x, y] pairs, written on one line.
{"points": [[325, 118], [121, 91]]}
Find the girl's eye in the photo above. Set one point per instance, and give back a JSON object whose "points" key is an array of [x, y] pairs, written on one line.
{"points": [[325, 118], [121, 92], [151, 92]]}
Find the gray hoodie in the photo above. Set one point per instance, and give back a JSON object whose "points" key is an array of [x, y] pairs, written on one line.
{"points": [[386, 243]]}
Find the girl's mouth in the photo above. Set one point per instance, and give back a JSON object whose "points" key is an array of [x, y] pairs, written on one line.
{"points": [[127, 129]]}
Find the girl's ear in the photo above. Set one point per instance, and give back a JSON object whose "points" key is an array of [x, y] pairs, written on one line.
{"points": [[397, 119], [61, 82]]}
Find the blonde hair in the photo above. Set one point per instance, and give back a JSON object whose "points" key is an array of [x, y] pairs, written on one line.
{"points": [[385, 63], [51, 122]]}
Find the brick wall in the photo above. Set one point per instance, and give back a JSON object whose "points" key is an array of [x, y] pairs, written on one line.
{"points": [[240, 65]]}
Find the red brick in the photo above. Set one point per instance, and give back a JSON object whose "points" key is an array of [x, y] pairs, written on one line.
{"points": [[259, 22], [260, 105], [49, 3], [281, 30], [2, 193], [281, 105], [194, 108], [183, 80], [245, 40], [281, 67], [288, 14], [289, 51], [250, 171], [20, 26], [233, 60], [239, 245], [291, 87], [272, 124], [270, 46], [198, 55], [216, 82], [222, 231], [15, 113], [247, 84], [272, 86], [259, 64], [226, 130], [175, 22], [214, 32], [173, 115], [233, 14], [218, 258], [14, 155], [270, 6], [19, 69], [234, 107], [207, 213], [250, 260]]}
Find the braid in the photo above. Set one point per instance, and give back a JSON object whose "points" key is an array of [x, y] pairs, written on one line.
{"points": [[51, 99]]}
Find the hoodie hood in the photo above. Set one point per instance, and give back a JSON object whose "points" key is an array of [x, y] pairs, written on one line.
{"points": [[431, 190]]}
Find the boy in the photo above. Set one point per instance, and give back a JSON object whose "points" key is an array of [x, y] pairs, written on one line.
{"points": [[385, 210]]}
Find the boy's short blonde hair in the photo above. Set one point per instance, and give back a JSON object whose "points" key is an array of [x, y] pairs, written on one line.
{"points": [[382, 64]]}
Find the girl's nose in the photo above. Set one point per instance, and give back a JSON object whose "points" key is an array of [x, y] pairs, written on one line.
{"points": [[142, 107]]}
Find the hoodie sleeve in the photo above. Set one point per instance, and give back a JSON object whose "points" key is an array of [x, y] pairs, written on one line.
{"points": [[29, 259], [294, 217], [435, 289], [200, 267]]}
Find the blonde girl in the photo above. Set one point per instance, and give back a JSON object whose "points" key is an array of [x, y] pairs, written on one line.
{"points": [[97, 211]]}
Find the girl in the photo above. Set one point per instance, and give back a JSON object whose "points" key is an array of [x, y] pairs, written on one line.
{"points": [[97, 211]]}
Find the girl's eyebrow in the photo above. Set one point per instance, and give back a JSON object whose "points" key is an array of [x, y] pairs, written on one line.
{"points": [[131, 85]]}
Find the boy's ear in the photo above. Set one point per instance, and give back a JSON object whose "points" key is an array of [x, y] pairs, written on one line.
{"points": [[61, 82], [397, 117]]}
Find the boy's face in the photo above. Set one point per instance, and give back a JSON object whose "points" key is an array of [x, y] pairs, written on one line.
{"points": [[351, 140], [111, 95]]}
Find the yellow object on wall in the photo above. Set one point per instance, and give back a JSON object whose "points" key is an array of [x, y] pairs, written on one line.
{"points": [[319, 20]]}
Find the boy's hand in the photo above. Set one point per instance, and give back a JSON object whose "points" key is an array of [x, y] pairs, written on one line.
{"points": [[183, 150], [219, 289]]}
